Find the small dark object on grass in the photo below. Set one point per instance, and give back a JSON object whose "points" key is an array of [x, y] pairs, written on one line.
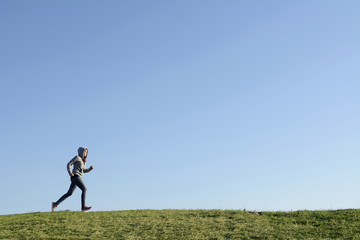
{"points": [[255, 213]]}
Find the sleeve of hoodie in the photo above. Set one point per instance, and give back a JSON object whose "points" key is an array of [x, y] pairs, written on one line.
{"points": [[68, 166], [86, 170]]}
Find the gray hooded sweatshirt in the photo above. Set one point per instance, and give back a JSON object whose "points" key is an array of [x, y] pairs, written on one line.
{"points": [[79, 164]]}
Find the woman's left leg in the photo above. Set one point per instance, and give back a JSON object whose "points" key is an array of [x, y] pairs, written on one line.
{"points": [[79, 182]]}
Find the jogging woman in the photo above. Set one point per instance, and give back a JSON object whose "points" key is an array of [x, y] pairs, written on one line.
{"points": [[78, 163]]}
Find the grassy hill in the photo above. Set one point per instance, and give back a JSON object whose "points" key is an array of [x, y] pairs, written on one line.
{"points": [[183, 224]]}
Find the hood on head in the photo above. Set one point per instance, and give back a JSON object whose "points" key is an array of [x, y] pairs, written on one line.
{"points": [[81, 152]]}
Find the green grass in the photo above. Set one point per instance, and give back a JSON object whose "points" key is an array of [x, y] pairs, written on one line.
{"points": [[182, 224]]}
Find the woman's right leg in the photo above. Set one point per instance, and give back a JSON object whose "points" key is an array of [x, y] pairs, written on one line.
{"points": [[68, 194]]}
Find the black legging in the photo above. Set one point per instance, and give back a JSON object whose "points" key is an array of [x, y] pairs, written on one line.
{"points": [[75, 181]]}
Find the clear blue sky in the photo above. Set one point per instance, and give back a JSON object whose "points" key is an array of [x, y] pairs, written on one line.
{"points": [[182, 104]]}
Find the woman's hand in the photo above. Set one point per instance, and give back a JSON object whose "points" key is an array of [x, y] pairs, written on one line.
{"points": [[91, 167], [71, 174]]}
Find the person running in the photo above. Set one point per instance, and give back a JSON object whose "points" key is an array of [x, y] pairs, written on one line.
{"points": [[78, 163]]}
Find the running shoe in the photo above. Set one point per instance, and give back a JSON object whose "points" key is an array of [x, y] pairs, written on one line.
{"points": [[53, 206], [85, 208]]}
